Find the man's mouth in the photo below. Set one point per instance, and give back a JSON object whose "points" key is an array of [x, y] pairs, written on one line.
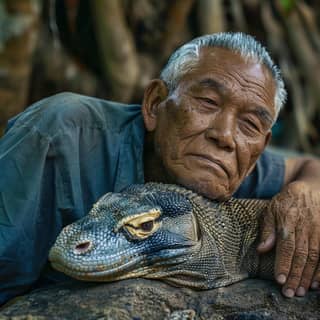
{"points": [[212, 162]]}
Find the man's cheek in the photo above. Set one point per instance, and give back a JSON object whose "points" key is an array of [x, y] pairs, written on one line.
{"points": [[171, 157], [173, 151], [255, 150], [250, 156], [246, 156]]}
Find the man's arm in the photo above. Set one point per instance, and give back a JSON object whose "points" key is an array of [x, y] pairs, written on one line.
{"points": [[55, 162], [292, 223]]}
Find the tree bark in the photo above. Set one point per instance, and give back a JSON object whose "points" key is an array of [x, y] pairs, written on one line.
{"points": [[18, 36]]}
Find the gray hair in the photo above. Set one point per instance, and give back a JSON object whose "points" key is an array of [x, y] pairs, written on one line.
{"points": [[188, 55]]}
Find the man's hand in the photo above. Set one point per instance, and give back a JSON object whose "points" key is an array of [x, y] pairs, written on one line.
{"points": [[293, 224]]}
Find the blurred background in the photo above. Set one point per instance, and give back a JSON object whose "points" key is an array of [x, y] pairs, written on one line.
{"points": [[112, 48]]}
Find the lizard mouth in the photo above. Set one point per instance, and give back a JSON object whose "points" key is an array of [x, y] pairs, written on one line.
{"points": [[100, 273], [123, 268]]}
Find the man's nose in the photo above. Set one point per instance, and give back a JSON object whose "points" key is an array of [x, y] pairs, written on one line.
{"points": [[222, 130]]}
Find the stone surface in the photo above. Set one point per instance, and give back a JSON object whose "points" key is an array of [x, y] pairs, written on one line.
{"points": [[140, 299]]}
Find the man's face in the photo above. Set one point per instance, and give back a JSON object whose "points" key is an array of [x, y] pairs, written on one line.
{"points": [[212, 128]]}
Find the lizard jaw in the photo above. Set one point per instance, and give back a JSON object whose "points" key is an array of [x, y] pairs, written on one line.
{"points": [[132, 267]]}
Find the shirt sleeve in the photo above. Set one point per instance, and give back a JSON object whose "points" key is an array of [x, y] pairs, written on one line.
{"points": [[267, 178], [24, 232], [45, 157], [57, 158]]}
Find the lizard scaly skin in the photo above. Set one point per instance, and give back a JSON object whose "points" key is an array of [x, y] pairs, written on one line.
{"points": [[165, 232]]}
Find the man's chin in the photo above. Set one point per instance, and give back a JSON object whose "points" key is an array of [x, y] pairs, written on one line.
{"points": [[208, 189]]}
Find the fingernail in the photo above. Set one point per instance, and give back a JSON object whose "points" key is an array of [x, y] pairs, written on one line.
{"points": [[315, 285], [289, 293], [281, 278], [267, 241], [301, 292]]}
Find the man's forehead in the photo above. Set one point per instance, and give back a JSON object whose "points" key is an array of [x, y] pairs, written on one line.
{"points": [[217, 65], [212, 59]]}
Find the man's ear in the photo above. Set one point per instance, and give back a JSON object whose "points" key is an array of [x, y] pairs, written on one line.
{"points": [[154, 94]]}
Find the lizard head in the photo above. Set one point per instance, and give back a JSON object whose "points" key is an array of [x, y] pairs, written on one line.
{"points": [[136, 233]]}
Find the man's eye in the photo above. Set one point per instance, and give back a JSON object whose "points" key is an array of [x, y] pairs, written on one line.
{"points": [[250, 125], [208, 100], [207, 104]]}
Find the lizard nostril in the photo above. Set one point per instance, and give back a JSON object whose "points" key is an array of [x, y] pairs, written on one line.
{"points": [[83, 247]]}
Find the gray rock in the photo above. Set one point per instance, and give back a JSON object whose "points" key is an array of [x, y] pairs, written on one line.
{"points": [[140, 299]]}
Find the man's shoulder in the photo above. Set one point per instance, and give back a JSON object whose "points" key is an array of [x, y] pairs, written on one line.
{"points": [[71, 104], [71, 109]]}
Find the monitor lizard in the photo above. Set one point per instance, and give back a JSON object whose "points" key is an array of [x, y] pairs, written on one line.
{"points": [[167, 232]]}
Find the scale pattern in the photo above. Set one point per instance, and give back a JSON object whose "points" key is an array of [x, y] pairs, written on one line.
{"points": [[221, 252]]}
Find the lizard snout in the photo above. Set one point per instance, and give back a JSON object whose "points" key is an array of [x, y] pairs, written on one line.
{"points": [[83, 247]]}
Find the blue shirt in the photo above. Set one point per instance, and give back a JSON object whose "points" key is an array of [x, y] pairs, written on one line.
{"points": [[57, 158]]}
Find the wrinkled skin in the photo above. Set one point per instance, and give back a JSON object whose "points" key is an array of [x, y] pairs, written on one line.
{"points": [[292, 224], [207, 135], [210, 131]]}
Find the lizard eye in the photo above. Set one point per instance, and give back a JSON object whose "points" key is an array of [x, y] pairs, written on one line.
{"points": [[147, 226], [142, 225]]}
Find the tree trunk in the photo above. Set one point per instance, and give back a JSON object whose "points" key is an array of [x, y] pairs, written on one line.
{"points": [[18, 36]]}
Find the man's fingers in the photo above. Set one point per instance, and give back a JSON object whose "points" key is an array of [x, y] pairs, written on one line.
{"points": [[284, 254], [315, 284], [297, 220], [310, 267], [268, 234], [316, 279], [268, 244], [297, 267]]}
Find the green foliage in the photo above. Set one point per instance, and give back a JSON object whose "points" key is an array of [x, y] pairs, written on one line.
{"points": [[287, 5]]}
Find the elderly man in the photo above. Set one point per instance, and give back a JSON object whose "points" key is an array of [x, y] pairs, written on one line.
{"points": [[203, 124]]}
